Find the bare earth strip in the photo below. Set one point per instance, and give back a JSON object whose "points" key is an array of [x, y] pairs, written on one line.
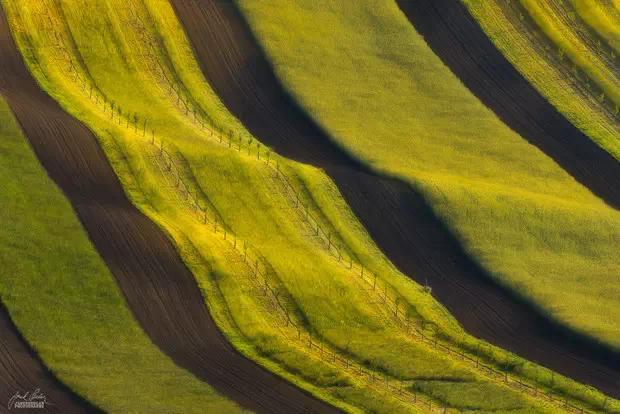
{"points": [[395, 215], [461, 44], [158, 287]]}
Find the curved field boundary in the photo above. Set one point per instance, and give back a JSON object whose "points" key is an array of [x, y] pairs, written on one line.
{"points": [[455, 37], [22, 371], [159, 288], [396, 216]]}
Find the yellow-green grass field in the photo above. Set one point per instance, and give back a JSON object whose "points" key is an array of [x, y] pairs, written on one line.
{"points": [[549, 70], [603, 17], [67, 305], [516, 212], [322, 294], [560, 23]]}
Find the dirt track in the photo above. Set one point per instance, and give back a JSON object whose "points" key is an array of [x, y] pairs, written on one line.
{"points": [[396, 216], [158, 287], [456, 38]]}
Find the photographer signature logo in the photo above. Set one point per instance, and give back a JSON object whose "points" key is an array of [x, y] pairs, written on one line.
{"points": [[28, 399]]}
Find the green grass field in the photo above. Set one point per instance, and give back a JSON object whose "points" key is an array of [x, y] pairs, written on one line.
{"points": [[521, 216], [322, 295], [67, 305], [550, 71]]}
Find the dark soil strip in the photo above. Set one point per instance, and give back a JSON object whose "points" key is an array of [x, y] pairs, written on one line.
{"points": [[456, 38], [22, 371], [395, 214], [158, 287]]}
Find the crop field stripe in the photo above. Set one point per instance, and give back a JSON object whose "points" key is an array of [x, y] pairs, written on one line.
{"points": [[21, 370], [559, 22], [159, 289], [396, 216], [460, 43], [555, 74]]}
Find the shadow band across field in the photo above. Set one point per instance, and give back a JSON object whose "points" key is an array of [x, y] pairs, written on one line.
{"points": [[396, 215], [454, 36], [158, 287]]}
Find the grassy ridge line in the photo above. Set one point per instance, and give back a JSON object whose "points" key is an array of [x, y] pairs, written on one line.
{"points": [[228, 172], [314, 177], [66, 303], [603, 17], [533, 245], [530, 52], [555, 22], [190, 111]]}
